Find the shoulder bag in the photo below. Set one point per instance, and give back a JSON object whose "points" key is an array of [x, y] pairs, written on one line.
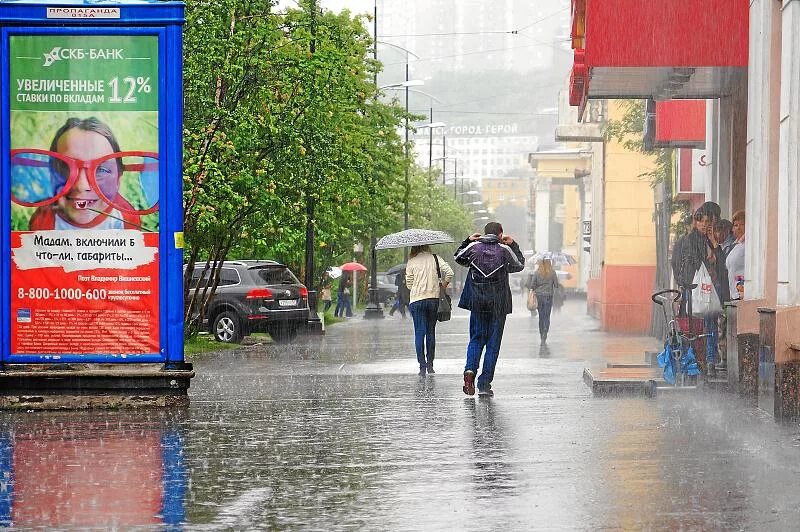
{"points": [[445, 307]]}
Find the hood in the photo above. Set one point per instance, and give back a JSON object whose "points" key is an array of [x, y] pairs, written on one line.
{"points": [[489, 239]]}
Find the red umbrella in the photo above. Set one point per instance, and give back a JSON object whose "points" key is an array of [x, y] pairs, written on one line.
{"points": [[353, 267]]}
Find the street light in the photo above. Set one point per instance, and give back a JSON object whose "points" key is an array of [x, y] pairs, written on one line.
{"points": [[374, 309], [407, 83]]}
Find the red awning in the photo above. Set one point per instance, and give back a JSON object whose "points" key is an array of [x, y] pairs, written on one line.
{"points": [[680, 124], [660, 49]]}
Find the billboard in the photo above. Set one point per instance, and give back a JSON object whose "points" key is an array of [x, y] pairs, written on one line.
{"points": [[91, 217], [84, 181]]}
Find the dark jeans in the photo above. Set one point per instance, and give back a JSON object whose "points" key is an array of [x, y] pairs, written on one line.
{"points": [[398, 305], [424, 314], [343, 306], [485, 331], [328, 304], [710, 324], [545, 306]]}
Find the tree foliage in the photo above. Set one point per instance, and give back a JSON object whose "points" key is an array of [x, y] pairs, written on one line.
{"points": [[281, 114]]}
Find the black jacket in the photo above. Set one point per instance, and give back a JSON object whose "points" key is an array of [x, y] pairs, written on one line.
{"points": [[490, 261], [690, 252]]}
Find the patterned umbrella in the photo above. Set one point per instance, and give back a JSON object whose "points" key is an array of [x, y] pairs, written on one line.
{"points": [[557, 258], [413, 237]]}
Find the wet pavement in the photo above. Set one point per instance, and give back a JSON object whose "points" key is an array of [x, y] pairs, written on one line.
{"points": [[339, 433]]}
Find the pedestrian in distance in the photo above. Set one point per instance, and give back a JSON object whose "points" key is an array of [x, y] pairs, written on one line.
{"points": [[403, 296], [343, 307], [425, 273], [544, 283], [326, 286], [490, 257]]}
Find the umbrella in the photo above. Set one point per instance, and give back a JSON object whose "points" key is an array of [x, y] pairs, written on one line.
{"points": [[557, 258], [413, 237], [334, 271], [397, 268], [353, 267]]}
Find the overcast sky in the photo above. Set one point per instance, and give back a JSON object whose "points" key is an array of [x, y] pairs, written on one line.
{"points": [[356, 6]]}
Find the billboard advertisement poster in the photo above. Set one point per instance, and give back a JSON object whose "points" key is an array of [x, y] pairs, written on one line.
{"points": [[85, 185]]}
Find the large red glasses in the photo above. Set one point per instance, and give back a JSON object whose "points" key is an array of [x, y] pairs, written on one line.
{"points": [[127, 180]]}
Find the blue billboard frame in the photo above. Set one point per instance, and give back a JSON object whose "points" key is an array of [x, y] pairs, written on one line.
{"points": [[155, 18]]}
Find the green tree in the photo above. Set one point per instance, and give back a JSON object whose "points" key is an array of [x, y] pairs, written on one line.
{"points": [[280, 113]]}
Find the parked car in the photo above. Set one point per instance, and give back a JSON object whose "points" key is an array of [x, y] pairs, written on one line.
{"points": [[387, 290], [253, 296]]}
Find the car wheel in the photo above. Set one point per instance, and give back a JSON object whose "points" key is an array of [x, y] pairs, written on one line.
{"points": [[283, 333], [227, 328]]}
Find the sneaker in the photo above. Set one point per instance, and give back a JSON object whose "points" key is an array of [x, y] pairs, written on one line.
{"points": [[422, 371], [430, 368], [469, 382], [487, 391]]}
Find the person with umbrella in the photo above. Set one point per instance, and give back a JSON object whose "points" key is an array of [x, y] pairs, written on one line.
{"points": [[326, 284], [343, 307], [403, 293], [425, 273]]}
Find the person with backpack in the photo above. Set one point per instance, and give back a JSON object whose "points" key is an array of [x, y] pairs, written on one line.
{"points": [[544, 283], [487, 295]]}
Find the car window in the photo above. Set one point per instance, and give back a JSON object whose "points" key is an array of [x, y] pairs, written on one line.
{"points": [[267, 275], [195, 282], [228, 276]]}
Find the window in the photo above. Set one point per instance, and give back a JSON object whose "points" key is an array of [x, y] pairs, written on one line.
{"points": [[273, 275], [195, 282], [228, 276]]}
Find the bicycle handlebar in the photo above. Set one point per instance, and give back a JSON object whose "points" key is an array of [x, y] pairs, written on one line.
{"points": [[663, 292]]}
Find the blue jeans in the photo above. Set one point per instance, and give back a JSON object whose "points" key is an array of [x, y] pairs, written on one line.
{"points": [[424, 314], [485, 331], [710, 324], [398, 305], [343, 306], [545, 306]]}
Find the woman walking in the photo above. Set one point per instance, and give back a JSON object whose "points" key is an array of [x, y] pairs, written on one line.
{"points": [[545, 284], [425, 272]]}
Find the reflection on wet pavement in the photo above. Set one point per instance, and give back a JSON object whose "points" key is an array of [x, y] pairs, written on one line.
{"points": [[340, 433]]}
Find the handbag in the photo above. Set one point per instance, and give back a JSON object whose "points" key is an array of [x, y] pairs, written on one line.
{"points": [[532, 303], [704, 297], [445, 309]]}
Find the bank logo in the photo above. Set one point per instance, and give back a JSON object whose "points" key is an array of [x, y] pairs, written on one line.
{"points": [[52, 56], [24, 315]]}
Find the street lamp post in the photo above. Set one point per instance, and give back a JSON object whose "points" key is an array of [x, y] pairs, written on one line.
{"points": [[374, 309]]}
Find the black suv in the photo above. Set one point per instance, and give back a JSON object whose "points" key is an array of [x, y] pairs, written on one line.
{"points": [[254, 296]]}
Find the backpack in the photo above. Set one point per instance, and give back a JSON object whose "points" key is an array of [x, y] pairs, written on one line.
{"points": [[487, 290]]}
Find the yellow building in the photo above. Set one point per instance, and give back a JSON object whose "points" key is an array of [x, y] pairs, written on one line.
{"points": [[497, 191], [605, 208]]}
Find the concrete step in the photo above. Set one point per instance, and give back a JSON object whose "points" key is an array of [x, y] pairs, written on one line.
{"points": [[622, 380]]}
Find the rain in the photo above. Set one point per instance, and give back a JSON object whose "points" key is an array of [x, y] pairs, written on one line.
{"points": [[616, 418], [339, 432]]}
